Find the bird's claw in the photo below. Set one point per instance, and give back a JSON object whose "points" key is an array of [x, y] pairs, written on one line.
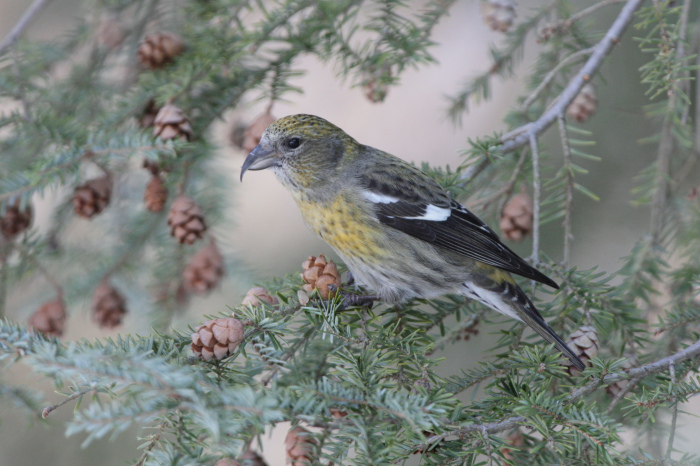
{"points": [[350, 300]]}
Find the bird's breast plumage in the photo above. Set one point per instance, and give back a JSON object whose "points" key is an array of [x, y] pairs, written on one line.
{"points": [[343, 224]]}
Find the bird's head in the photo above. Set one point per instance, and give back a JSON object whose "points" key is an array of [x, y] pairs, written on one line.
{"points": [[300, 149]]}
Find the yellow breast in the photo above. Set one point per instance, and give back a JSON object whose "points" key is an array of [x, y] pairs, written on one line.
{"points": [[342, 224]]}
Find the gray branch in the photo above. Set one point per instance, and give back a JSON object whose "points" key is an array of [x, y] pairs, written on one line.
{"points": [[22, 24], [522, 135]]}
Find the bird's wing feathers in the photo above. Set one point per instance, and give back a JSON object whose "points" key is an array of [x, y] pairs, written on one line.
{"points": [[446, 223]]}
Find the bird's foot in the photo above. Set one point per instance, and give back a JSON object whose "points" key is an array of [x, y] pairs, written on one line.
{"points": [[351, 300]]}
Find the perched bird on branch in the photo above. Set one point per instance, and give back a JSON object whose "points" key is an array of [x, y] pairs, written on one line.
{"points": [[399, 232]]}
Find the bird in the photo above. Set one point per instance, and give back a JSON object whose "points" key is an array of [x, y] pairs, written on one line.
{"points": [[399, 232]]}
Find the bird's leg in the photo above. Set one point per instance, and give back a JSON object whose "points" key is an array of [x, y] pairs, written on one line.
{"points": [[353, 300], [351, 279]]}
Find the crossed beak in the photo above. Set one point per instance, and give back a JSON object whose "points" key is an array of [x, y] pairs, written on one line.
{"points": [[259, 158]]}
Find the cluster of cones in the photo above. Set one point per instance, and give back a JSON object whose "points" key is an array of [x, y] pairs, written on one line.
{"points": [[205, 268]]}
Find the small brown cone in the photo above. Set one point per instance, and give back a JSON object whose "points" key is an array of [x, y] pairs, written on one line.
{"points": [[204, 271], [584, 343], [91, 198], [50, 318], [227, 462], [15, 219], [185, 220], [301, 447], [148, 116], [171, 123], [250, 458], [515, 439], [156, 194], [255, 130], [257, 296], [157, 50], [584, 104], [319, 274], [108, 305], [499, 15], [218, 338], [516, 218], [338, 413]]}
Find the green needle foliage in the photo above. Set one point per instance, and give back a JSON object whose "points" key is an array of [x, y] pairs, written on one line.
{"points": [[366, 381]]}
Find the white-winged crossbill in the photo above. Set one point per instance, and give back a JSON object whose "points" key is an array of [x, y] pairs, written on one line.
{"points": [[399, 232]]}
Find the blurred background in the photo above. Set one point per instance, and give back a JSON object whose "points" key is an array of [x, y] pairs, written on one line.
{"points": [[269, 238]]}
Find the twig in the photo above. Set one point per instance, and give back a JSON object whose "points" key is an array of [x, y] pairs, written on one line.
{"points": [[674, 411], [521, 136], [26, 114], [566, 23], [506, 189], [537, 198], [22, 24], [467, 326], [638, 372], [600, 51], [566, 149], [152, 444], [666, 141], [4, 248], [48, 410], [266, 380], [552, 74]]}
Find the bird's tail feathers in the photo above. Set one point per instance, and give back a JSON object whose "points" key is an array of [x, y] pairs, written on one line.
{"points": [[545, 331], [507, 298]]}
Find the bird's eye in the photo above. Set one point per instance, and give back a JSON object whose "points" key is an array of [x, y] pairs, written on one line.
{"points": [[293, 143]]}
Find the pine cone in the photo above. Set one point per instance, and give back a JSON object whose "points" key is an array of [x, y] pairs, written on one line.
{"points": [[254, 132], [108, 305], [16, 220], [171, 123], [204, 270], [499, 15], [300, 447], [584, 343], [92, 197], [218, 338], [318, 274], [250, 458], [257, 295], [515, 439], [227, 462], [185, 220], [516, 218], [50, 318], [148, 116], [156, 194], [338, 413], [157, 50], [584, 104]]}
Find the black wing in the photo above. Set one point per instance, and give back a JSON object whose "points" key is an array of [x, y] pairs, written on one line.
{"points": [[448, 224]]}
